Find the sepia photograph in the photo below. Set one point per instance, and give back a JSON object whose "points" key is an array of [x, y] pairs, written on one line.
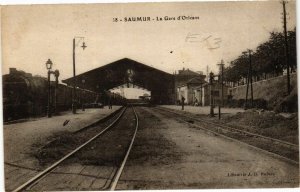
{"points": [[149, 96]]}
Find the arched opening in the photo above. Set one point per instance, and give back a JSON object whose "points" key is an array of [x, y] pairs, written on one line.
{"points": [[133, 93]]}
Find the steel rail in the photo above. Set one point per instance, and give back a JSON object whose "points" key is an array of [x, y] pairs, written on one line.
{"points": [[241, 142], [237, 130], [120, 170], [54, 165]]}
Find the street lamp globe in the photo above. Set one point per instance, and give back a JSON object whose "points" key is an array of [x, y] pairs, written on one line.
{"points": [[49, 64], [83, 45]]}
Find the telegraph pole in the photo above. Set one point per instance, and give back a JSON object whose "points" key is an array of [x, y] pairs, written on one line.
{"points": [[222, 71], [207, 74], [286, 49], [250, 66], [249, 80], [221, 77], [211, 79]]}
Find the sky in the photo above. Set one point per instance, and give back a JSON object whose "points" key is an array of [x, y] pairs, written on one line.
{"points": [[32, 34], [131, 93]]}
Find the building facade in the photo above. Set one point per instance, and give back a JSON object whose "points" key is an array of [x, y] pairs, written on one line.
{"points": [[186, 90], [206, 92]]}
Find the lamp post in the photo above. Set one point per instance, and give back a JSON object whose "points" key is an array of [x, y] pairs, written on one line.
{"points": [[56, 74], [211, 79], [74, 72], [201, 95], [49, 66], [83, 96]]}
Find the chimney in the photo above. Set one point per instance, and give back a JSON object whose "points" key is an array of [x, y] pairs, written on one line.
{"points": [[12, 70]]}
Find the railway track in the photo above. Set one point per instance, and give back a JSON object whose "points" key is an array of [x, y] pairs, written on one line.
{"points": [[279, 148], [109, 134]]}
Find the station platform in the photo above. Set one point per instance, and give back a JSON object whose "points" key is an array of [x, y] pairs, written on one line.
{"points": [[204, 110], [22, 139]]}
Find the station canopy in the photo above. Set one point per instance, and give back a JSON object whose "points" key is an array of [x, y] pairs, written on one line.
{"points": [[127, 71]]}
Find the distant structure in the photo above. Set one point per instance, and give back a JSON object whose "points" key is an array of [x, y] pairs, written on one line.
{"points": [[129, 72], [196, 90], [185, 75], [185, 81], [186, 90], [200, 72], [202, 93]]}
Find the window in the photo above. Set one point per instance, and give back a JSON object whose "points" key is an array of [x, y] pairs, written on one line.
{"points": [[215, 93]]}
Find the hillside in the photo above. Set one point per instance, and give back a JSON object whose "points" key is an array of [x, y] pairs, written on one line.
{"points": [[270, 94]]}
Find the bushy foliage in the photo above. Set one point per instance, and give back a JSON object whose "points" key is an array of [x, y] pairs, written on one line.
{"points": [[241, 103], [269, 57]]}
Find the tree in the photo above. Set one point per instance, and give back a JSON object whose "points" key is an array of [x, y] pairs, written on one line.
{"points": [[269, 57]]}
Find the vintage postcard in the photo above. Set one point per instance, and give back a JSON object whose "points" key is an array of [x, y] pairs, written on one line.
{"points": [[150, 95]]}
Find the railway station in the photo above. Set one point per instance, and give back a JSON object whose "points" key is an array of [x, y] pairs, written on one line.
{"points": [[149, 105], [127, 71], [104, 116]]}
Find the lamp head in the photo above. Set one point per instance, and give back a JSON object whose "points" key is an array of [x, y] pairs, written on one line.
{"points": [[83, 45], [49, 64]]}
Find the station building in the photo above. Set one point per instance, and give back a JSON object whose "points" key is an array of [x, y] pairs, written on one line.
{"points": [[187, 90], [203, 93], [185, 81], [196, 91]]}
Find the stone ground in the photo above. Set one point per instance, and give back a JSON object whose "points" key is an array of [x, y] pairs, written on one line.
{"points": [[282, 126], [168, 154], [23, 140]]}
